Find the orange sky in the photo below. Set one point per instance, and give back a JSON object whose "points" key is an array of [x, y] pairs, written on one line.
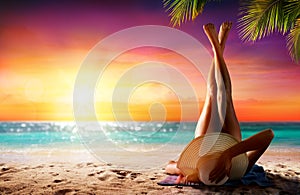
{"points": [[40, 58]]}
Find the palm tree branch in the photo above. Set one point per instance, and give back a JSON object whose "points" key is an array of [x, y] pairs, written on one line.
{"points": [[259, 18], [293, 41], [183, 10], [292, 12]]}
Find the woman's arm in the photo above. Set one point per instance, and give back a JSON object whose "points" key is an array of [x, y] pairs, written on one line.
{"points": [[255, 145], [258, 141]]}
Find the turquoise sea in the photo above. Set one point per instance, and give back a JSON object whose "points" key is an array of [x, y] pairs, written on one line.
{"points": [[21, 141], [35, 134]]}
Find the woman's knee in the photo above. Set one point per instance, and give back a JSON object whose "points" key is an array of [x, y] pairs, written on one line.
{"points": [[271, 133]]}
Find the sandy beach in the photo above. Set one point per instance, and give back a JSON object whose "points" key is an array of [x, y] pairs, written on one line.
{"points": [[281, 165]]}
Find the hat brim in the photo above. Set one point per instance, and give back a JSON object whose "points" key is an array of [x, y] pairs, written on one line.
{"points": [[209, 144]]}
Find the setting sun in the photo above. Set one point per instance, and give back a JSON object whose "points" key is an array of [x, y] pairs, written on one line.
{"points": [[40, 62]]}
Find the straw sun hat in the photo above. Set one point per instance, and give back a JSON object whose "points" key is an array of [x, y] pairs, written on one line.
{"points": [[197, 159]]}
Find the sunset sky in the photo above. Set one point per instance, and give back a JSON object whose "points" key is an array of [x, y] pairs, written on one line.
{"points": [[43, 44]]}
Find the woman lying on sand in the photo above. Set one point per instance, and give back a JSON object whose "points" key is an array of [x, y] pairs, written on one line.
{"points": [[215, 156]]}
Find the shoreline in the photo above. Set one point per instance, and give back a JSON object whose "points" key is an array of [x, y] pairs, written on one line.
{"points": [[78, 153]]}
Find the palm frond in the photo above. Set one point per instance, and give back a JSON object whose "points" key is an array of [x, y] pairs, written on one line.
{"points": [[293, 41], [183, 10], [259, 18], [291, 13]]}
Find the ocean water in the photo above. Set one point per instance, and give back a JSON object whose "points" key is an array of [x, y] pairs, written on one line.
{"points": [[117, 141], [40, 134]]}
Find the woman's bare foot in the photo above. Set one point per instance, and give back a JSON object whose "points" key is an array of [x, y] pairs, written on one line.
{"points": [[211, 33], [223, 33]]}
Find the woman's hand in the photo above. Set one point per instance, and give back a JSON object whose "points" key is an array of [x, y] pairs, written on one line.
{"points": [[180, 179], [222, 168]]}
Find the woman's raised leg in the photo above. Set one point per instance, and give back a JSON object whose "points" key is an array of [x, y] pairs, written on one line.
{"points": [[224, 94], [210, 103]]}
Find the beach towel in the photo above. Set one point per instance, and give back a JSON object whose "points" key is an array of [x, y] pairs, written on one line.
{"points": [[256, 176]]}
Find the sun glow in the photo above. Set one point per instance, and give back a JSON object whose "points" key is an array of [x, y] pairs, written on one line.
{"points": [[39, 63]]}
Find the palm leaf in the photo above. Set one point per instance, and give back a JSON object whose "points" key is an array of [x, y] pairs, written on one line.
{"points": [[183, 10], [259, 18], [291, 13], [293, 41]]}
